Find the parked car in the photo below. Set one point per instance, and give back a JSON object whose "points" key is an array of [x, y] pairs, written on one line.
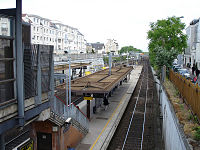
{"points": [[176, 67], [184, 72]]}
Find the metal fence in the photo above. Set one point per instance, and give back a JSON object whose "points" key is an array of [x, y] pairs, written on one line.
{"points": [[189, 91], [71, 111], [74, 57], [46, 56], [30, 70], [7, 77], [37, 61]]}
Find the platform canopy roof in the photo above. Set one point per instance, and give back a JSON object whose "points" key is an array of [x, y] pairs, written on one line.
{"points": [[99, 82], [65, 65]]}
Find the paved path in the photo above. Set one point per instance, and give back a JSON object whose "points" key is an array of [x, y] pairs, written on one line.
{"points": [[104, 123]]}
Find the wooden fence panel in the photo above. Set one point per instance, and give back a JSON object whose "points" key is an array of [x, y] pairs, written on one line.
{"points": [[189, 91]]}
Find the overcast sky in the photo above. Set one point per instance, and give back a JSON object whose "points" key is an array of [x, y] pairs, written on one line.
{"points": [[127, 21]]}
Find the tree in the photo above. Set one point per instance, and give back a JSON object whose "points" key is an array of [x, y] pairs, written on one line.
{"points": [[167, 40], [126, 49]]}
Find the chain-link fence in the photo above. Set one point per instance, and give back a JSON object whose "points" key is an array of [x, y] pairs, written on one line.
{"points": [[46, 57], [37, 57], [30, 70]]}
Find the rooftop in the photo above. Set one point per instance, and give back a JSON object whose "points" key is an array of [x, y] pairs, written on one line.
{"points": [[99, 82], [65, 65]]}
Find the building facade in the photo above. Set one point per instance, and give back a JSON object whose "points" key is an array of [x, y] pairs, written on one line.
{"points": [[26, 88], [31, 117], [96, 48], [64, 38], [192, 52], [112, 46]]}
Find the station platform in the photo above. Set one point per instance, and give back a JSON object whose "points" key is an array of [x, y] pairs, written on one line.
{"points": [[104, 123]]}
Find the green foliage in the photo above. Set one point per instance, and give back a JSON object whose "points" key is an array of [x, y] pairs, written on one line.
{"points": [[167, 40], [196, 119], [190, 117], [105, 59], [197, 133], [182, 106], [114, 59], [176, 94], [126, 49]]}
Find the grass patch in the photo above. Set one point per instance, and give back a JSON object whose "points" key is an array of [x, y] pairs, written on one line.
{"points": [[176, 94]]}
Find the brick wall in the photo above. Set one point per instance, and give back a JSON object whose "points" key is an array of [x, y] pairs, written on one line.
{"points": [[60, 139]]}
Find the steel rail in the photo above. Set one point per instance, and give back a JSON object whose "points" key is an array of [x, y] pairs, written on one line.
{"points": [[144, 114], [130, 123]]}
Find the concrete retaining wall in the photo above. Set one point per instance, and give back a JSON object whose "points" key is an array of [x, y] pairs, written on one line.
{"points": [[173, 135]]}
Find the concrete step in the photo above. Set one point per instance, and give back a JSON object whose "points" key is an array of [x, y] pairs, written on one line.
{"points": [[77, 125]]}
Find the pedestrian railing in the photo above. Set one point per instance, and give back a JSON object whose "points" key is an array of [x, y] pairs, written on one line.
{"points": [[189, 91], [71, 111]]}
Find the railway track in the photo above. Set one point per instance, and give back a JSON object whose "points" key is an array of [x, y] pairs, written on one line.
{"points": [[139, 126]]}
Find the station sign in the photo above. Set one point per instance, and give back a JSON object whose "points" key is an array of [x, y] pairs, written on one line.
{"points": [[88, 98], [27, 146]]}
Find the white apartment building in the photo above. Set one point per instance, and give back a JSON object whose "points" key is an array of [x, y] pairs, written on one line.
{"points": [[112, 46], [192, 52], [63, 37]]}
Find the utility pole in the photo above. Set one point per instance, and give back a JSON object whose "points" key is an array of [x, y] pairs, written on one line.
{"points": [[127, 59], [69, 78], [110, 62]]}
